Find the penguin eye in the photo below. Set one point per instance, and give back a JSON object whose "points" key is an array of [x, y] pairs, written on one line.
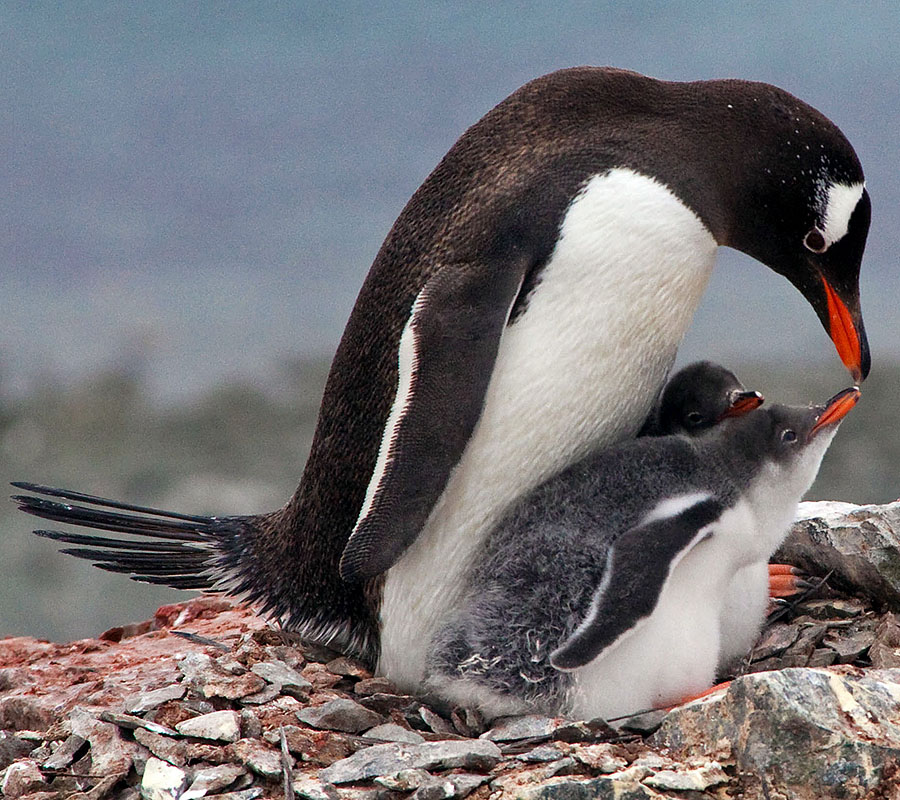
{"points": [[815, 241], [788, 436], [694, 418]]}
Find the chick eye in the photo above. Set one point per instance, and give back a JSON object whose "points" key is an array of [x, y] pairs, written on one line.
{"points": [[694, 418], [815, 241], [788, 436]]}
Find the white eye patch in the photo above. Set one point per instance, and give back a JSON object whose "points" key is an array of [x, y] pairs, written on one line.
{"points": [[840, 201]]}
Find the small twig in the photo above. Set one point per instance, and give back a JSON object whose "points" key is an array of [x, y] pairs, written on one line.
{"points": [[204, 640]]}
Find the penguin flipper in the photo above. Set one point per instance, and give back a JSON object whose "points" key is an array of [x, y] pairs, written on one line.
{"points": [[638, 565], [446, 356]]}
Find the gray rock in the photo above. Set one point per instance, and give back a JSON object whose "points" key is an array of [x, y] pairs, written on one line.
{"points": [[265, 695], [885, 649], [12, 746], [222, 726], [312, 788], [162, 781], [406, 780], [110, 755], [578, 788], [260, 759], [860, 545], [172, 750], [698, 779], [340, 714], [245, 794], [22, 777], [599, 757], [211, 680], [65, 753], [644, 724], [805, 733], [510, 729], [209, 780], [541, 754], [280, 674], [370, 686], [131, 722], [387, 759], [143, 702], [392, 732], [436, 722]]}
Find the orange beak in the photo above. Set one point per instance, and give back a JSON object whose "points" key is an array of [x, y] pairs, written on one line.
{"points": [[843, 332], [836, 409], [741, 403]]}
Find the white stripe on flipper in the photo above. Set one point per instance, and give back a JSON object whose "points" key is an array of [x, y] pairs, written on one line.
{"points": [[842, 199], [673, 506], [407, 364]]}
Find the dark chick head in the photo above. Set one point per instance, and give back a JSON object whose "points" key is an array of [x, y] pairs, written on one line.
{"points": [[700, 396]]}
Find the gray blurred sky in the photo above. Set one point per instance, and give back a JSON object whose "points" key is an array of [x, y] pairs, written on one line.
{"points": [[201, 187]]}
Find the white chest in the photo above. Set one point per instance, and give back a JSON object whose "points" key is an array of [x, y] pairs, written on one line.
{"points": [[579, 369]]}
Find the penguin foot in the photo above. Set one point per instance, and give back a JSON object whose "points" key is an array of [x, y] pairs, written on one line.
{"points": [[786, 581], [691, 697]]}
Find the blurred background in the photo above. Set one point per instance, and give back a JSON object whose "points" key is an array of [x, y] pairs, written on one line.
{"points": [[192, 195]]}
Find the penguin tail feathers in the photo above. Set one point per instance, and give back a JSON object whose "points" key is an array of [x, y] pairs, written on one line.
{"points": [[161, 547]]}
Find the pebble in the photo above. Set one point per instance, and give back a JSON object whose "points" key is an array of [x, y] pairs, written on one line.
{"points": [[223, 726], [386, 759], [340, 714], [312, 788], [162, 781]]}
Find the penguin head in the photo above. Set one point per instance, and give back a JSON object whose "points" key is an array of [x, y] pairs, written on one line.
{"points": [[701, 395], [793, 439], [800, 206]]}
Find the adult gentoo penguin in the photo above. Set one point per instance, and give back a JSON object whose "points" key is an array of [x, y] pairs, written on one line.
{"points": [[640, 545], [524, 309]]}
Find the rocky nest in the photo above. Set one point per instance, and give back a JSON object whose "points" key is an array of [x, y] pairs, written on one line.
{"points": [[207, 700]]}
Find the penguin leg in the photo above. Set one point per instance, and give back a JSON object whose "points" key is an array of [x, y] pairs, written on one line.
{"points": [[786, 581], [446, 357]]}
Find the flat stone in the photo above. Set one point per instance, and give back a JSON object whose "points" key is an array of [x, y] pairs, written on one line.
{"points": [[812, 733], [21, 778], [280, 674], [384, 704], [265, 695], [210, 780], [317, 747], [834, 608], [64, 754], [386, 759], [541, 754], [599, 757], [859, 545], [311, 788], [369, 686], [143, 702], [260, 759], [885, 649], [131, 722], [436, 722], [348, 667], [849, 645], [211, 680], [391, 732], [644, 724], [340, 714], [698, 779], [110, 755], [530, 726], [172, 750], [162, 781], [222, 726], [245, 794], [405, 780], [13, 746], [777, 638]]}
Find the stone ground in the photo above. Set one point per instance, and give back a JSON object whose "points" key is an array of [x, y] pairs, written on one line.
{"points": [[207, 700]]}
